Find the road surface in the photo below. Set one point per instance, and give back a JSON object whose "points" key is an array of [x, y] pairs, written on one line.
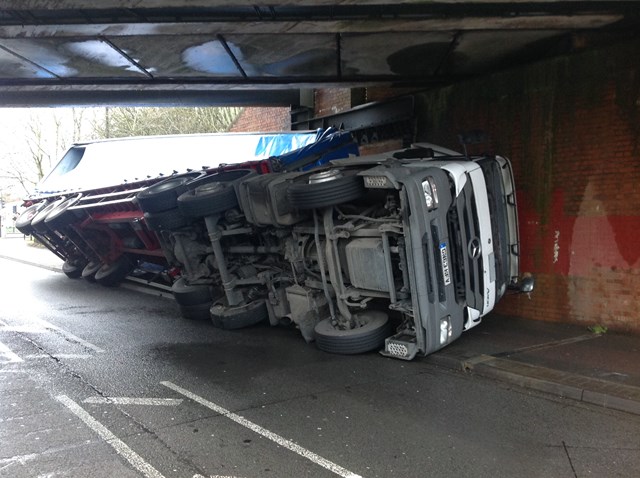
{"points": [[99, 382]]}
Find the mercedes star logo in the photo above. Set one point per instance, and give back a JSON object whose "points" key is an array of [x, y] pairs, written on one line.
{"points": [[474, 248]]}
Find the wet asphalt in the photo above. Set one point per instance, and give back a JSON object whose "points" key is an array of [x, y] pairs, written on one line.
{"points": [[106, 382]]}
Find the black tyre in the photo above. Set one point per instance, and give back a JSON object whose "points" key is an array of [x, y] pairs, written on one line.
{"points": [[23, 223], [212, 194], [196, 311], [112, 274], [89, 271], [186, 294], [60, 215], [38, 222], [328, 192], [162, 196], [237, 317], [73, 269], [374, 328], [166, 220]]}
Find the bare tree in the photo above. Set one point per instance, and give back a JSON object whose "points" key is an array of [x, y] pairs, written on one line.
{"points": [[27, 166], [47, 135], [77, 116], [121, 122]]}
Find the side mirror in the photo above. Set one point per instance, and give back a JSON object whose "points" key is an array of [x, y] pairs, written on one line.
{"points": [[526, 285]]}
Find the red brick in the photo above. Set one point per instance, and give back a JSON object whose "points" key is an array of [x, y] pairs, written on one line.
{"points": [[575, 146], [263, 119]]}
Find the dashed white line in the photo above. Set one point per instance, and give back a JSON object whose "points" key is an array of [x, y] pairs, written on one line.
{"points": [[9, 354], [118, 445], [167, 402], [283, 442]]}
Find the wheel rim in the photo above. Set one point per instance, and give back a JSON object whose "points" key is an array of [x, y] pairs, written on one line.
{"points": [[366, 338], [90, 270], [62, 207], [40, 217], [325, 176], [167, 185], [210, 188], [28, 214]]}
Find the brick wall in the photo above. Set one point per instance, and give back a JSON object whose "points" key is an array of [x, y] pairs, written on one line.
{"points": [[571, 127], [331, 101], [336, 100], [263, 119]]}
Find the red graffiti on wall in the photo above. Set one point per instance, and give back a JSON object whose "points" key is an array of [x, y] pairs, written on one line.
{"points": [[575, 244]]}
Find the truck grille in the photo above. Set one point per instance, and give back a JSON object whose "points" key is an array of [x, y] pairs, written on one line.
{"points": [[462, 220], [428, 267], [455, 255]]}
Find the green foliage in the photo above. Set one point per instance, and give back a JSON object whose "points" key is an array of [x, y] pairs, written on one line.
{"points": [[122, 122], [598, 329]]}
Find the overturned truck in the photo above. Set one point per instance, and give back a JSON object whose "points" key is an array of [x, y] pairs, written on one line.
{"points": [[400, 251]]}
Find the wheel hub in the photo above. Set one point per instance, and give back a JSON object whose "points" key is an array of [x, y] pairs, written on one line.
{"points": [[324, 176]]}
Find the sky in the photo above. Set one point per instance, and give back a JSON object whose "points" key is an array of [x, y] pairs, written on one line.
{"points": [[16, 135]]}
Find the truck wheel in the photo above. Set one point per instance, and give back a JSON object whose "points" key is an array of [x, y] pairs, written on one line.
{"points": [[327, 191], [166, 220], [60, 216], [112, 274], [212, 194], [37, 223], [23, 223], [89, 271], [239, 316], [162, 196], [73, 269], [188, 295], [196, 311], [374, 328]]}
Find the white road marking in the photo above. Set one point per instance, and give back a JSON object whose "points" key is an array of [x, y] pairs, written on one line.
{"points": [[283, 442], [9, 354], [214, 476], [71, 336], [118, 445], [135, 401], [146, 289]]}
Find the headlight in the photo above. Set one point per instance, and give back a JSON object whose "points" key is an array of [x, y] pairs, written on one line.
{"points": [[430, 193], [445, 330]]}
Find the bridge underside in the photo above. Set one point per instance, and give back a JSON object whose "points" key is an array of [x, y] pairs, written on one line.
{"points": [[222, 52]]}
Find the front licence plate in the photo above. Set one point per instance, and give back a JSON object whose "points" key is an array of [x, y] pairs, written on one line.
{"points": [[444, 257]]}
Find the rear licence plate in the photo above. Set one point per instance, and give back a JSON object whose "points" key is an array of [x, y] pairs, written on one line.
{"points": [[444, 257]]}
